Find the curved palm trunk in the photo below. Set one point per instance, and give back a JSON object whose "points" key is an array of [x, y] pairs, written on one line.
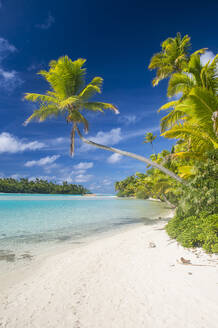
{"points": [[153, 149], [167, 201], [128, 154]]}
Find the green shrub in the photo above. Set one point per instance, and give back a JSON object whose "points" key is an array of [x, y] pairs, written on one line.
{"points": [[200, 194], [195, 231], [121, 194], [141, 194]]}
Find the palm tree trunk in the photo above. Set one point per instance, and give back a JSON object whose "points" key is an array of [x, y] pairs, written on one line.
{"points": [[128, 154], [153, 149], [168, 202]]}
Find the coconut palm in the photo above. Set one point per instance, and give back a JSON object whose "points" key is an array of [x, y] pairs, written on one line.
{"points": [[193, 117], [172, 58], [68, 95], [187, 84], [149, 138]]}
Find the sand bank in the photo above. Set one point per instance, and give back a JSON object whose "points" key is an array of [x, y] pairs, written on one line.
{"points": [[120, 281]]}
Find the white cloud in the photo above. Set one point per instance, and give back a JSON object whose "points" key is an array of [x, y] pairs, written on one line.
{"points": [[6, 48], [208, 55], [83, 178], [42, 161], [16, 176], [35, 67], [114, 158], [83, 166], [128, 119], [9, 80], [111, 137], [114, 136], [43, 177], [141, 132], [78, 174], [95, 186], [107, 182], [11, 144], [47, 23], [60, 140]]}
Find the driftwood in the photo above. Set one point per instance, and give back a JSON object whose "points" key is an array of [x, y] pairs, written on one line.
{"points": [[188, 262]]}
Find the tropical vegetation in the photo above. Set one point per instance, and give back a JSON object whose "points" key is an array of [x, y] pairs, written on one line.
{"points": [[192, 119], [39, 186], [184, 177], [70, 96], [149, 138]]}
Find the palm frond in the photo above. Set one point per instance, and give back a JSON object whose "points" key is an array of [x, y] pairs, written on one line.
{"points": [[199, 106], [170, 104], [99, 106], [179, 83], [69, 102], [36, 97], [187, 171], [43, 113], [197, 138], [66, 77], [171, 119]]}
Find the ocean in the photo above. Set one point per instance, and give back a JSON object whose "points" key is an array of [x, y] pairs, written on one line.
{"points": [[30, 223]]}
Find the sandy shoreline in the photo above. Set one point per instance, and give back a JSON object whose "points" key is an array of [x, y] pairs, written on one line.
{"points": [[115, 282]]}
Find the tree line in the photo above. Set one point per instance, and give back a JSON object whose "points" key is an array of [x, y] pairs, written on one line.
{"points": [[39, 186]]}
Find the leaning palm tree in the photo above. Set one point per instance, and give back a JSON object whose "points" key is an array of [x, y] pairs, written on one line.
{"points": [[68, 95], [149, 138], [172, 58]]}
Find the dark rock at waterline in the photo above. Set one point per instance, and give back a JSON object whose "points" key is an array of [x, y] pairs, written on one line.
{"points": [[7, 256]]}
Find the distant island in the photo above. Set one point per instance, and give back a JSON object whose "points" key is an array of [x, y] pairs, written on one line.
{"points": [[39, 186]]}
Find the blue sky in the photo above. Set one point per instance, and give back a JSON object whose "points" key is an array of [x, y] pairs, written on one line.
{"points": [[117, 38]]}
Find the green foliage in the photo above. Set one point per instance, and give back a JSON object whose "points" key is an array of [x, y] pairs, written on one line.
{"points": [[172, 58], [9, 185], [154, 183], [201, 192], [141, 194], [193, 117], [68, 95], [149, 138], [195, 231]]}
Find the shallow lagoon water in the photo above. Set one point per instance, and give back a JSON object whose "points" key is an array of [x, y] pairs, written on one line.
{"points": [[29, 223]]}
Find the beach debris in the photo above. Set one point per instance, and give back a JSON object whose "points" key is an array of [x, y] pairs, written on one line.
{"points": [[184, 261], [26, 256], [188, 262], [151, 244]]}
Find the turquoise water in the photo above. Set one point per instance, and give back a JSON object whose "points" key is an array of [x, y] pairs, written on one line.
{"points": [[28, 221]]}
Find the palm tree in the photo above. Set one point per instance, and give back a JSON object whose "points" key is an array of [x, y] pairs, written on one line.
{"points": [[195, 77], [149, 138], [193, 117], [68, 95], [172, 58]]}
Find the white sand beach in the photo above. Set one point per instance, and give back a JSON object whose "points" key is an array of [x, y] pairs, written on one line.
{"points": [[118, 281]]}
